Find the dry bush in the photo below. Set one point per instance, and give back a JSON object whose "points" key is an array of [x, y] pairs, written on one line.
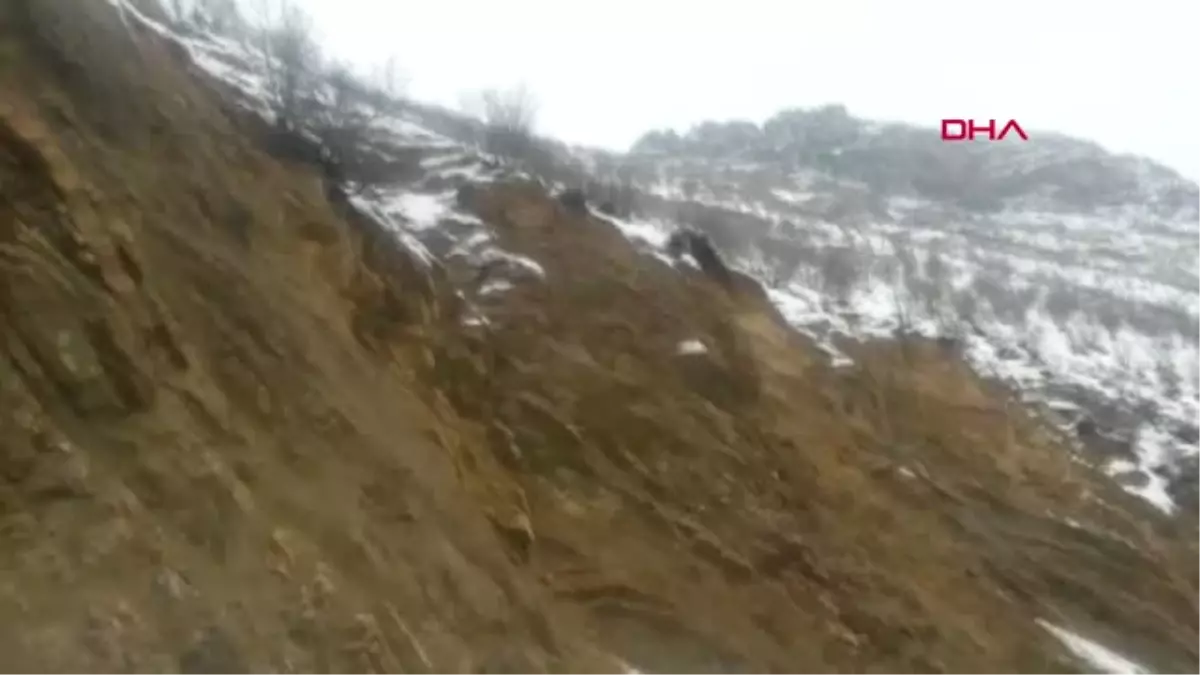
{"points": [[1169, 377], [324, 112], [951, 312], [293, 66], [1063, 300], [1008, 303], [966, 309], [908, 266], [841, 271], [621, 198], [784, 258], [223, 17], [613, 188], [907, 277], [346, 120], [509, 117]]}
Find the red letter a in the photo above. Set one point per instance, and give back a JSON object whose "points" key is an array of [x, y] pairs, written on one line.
{"points": [[960, 135], [1013, 126]]}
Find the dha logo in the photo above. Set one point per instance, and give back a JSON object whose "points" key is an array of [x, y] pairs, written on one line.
{"points": [[965, 130]]}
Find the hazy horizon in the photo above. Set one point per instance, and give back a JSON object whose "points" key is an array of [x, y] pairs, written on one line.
{"points": [[1113, 74]]}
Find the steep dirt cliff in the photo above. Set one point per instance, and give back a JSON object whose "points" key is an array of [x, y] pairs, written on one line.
{"points": [[242, 428]]}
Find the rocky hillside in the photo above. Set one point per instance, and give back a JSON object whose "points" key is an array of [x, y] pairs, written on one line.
{"points": [[254, 419], [1066, 271]]}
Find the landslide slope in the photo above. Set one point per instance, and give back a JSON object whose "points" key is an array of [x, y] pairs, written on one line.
{"points": [[245, 428], [1069, 272]]}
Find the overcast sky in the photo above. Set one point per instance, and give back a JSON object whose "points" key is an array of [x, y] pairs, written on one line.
{"points": [[1122, 73]]}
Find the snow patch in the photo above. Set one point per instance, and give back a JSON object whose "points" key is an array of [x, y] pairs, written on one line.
{"points": [[406, 239], [654, 234], [423, 211], [792, 197], [1094, 654], [523, 262], [691, 346], [494, 286], [1153, 446]]}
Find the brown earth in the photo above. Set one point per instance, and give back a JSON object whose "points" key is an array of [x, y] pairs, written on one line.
{"points": [[242, 430]]}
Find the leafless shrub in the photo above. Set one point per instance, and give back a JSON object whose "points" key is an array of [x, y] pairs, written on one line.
{"points": [[1192, 378], [904, 268], [840, 272], [323, 108], [221, 17], [784, 258], [509, 117], [615, 198], [344, 123], [884, 268], [937, 271], [1169, 377], [717, 224], [966, 310], [904, 319], [991, 290], [1127, 363], [620, 195], [292, 64], [1008, 303], [388, 83], [939, 293], [180, 10], [1062, 300], [908, 266]]}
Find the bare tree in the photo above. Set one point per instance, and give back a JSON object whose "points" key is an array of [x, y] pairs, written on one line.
{"points": [[939, 291], [908, 266], [388, 84], [178, 10], [510, 116], [966, 312], [343, 124], [1169, 377], [292, 66], [784, 258], [324, 113], [623, 193], [840, 272], [223, 16], [905, 271]]}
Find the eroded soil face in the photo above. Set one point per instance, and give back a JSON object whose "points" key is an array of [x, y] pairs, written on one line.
{"points": [[241, 429]]}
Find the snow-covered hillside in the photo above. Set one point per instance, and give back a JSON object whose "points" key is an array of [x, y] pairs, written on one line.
{"points": [[1068, 272], [1063, 270]]}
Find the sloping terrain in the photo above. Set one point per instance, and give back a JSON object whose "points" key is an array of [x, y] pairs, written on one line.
{"points": [[1068, 272], [246, 426], [1064, 271]]}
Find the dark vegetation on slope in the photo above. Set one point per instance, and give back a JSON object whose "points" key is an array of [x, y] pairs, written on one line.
{"points": [[244, 430]]}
